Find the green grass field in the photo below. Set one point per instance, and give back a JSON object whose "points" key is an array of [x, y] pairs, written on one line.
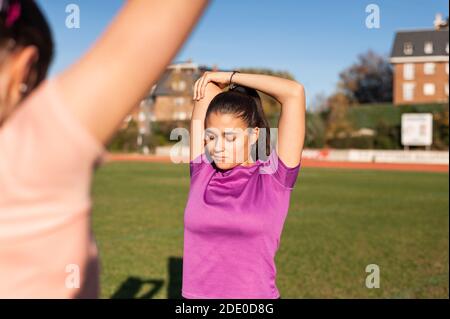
{"points": [[340, 220]]}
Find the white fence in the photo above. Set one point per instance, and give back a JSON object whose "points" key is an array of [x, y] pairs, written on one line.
{"points": [[349, 155], [379, 156]]}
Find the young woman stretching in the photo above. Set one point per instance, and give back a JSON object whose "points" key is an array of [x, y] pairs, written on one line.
{"points": [[52, 133], [238, 198]]}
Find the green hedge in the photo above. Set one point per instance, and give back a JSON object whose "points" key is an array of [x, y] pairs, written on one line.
{"points": [[385, 119], [369, 115]]}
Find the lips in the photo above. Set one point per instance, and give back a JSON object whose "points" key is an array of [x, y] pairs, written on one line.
{"points": [[219, 158]]}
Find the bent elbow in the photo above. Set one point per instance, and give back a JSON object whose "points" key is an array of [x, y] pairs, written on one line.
{"points": [[298, 90]]}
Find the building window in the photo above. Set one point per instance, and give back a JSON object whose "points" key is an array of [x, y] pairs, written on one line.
{"points": [[446, 68], [429, 89], [179, 101], [429, 68], [408, 71], [180, 116], [428, 48], [408, 48], [408, 91], [179, 86]]}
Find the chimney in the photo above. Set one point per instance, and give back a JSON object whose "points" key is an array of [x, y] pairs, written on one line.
{"points": [[439, 23]]}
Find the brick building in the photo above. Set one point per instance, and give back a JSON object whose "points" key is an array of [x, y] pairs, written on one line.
{"points": [[169, 100], [420, 59]]}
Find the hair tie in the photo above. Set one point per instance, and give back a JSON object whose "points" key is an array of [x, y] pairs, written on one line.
{"points": [[231, 85], [13, 11]]}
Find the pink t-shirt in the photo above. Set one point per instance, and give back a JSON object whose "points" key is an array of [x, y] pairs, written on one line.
{"points": [[232, 226], [46, 162]]}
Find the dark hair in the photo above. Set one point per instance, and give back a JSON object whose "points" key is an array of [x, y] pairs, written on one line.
{"points": [[29, 27], [245, 103]]}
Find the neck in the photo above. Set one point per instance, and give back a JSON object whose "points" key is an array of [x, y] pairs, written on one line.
{"points": [[248, 162]]}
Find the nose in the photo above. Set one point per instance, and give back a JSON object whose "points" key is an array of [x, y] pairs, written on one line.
{"points": [[219, 146]]}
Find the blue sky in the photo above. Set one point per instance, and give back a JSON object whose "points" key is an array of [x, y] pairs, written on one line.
{"points": [[314, 40]]}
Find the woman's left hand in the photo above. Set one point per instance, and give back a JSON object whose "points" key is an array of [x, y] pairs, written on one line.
{"points": [[222, 79]]}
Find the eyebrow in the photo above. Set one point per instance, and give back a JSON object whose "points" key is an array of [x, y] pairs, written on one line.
{"points": [[224, 133], [210, 131]]}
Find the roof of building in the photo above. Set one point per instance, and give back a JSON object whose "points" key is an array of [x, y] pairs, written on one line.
{"points": [[418, 38], [179, 79]]}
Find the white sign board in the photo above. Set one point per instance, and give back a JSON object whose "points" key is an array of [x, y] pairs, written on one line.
{"points": [[417, 129]]}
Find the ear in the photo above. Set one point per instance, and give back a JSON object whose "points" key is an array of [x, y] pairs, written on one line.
{"points": [[254, 135], [22, 63]]}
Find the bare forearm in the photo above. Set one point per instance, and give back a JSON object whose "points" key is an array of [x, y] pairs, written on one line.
{"points": [[291, 125], [283, 90], [128, 59], [175, 20], [198, 117]]}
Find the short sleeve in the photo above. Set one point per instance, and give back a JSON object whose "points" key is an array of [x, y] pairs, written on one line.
{"points": [[198, 164], [284, 175], [43, 142]]}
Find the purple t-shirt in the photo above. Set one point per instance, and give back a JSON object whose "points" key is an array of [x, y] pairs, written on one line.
{"points": [[232, 227]]}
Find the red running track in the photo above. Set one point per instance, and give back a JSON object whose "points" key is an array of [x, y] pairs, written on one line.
{"points": [[442, 168]]}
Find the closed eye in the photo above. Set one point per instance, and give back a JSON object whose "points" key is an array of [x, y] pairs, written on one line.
{"points": [[230, 137]]}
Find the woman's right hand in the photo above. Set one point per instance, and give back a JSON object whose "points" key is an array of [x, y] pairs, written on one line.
{"points": [[222, 79]]}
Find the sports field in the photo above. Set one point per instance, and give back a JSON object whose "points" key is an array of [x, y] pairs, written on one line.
{"points": [[340, 221]]}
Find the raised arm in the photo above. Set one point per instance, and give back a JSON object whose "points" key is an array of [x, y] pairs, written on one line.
{"points": [[210, 90], [119, 70], [291, 95]]}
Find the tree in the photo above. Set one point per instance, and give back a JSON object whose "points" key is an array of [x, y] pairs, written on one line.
{"points": [[338, 124], [369, 80]]}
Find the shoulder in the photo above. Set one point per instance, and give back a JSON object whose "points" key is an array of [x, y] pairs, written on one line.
{"points": [[42, 135], [277, 170], [199, 164]]}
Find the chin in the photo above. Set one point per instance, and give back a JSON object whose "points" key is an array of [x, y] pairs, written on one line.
{"points": [[224, 166]]}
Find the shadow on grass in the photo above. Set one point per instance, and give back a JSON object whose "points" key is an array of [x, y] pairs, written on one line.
{"points": [[133, 286]]}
